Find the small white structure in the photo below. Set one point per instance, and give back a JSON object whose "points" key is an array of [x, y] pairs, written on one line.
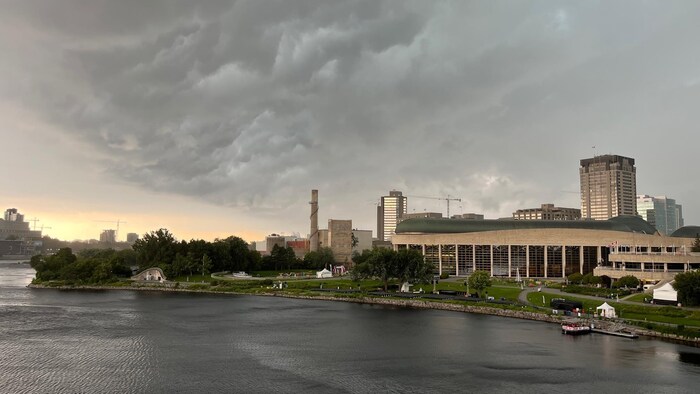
{"points": [[153, 274], [666, 295], [406, 287], [324, 273], [605, 310]]}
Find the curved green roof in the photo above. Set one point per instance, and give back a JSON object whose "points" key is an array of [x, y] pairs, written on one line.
{"points": [[687, 232], [627, 224]]}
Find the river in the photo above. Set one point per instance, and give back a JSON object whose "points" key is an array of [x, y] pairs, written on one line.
{"points": [[149, 342]]}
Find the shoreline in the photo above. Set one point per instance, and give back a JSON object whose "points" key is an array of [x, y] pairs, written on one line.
{"points": [[403, 303]]}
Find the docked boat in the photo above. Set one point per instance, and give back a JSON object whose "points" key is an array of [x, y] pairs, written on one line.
{"points": [[575, 328]]}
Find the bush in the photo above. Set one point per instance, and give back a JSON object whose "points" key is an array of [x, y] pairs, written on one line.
{"points": [[575, 278], [266, 282], [444, 275]]}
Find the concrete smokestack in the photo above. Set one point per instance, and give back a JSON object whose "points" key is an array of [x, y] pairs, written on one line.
{"points": [[313, 238]]}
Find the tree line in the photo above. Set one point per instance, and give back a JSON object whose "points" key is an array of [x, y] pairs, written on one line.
{"points": [[161, 249]]}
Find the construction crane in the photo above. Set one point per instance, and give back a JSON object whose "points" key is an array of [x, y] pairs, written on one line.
{"points": [[116, 232], [446, 199]]}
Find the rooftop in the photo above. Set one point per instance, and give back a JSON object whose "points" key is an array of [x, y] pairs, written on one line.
{"points": [[629, 224]]}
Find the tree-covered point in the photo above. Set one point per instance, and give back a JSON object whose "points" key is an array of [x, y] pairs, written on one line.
{"points": [[88, 266]]}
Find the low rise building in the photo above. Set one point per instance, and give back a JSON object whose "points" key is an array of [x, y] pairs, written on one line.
{"points": [[547, 212], [543, 248]]}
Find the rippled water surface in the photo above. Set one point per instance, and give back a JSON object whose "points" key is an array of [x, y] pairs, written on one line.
{"points": [[124, 341]]}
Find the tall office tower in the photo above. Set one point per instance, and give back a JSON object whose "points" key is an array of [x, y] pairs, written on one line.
{"points": [[661, 212], [389, 211], [608, 187]]}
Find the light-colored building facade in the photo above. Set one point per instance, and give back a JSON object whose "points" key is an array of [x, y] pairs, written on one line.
{"points": [[543, 249], [108, 236], [389, 212], [547, 212], [274, 239], [608, 187], [364, 240], [340, 240], [661, 212]]}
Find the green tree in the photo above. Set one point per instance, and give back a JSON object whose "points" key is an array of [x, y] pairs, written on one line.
{"points": [[412, 266], [687, 284], [157, 248], [206, 265], [590, 279], [479, 281], [628, 281], [319, 259], [575, 278]]}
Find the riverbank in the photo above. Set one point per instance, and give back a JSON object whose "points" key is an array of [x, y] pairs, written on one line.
{"points": [[405, 303]]}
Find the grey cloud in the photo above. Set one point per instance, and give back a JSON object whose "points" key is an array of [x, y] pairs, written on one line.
{"points": [[252, 103]]}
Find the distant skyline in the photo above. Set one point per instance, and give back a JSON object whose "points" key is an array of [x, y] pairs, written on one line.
{"points": [[218, 118]]}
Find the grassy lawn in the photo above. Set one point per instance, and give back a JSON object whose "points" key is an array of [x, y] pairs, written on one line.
{"points": [[638, 297], [669, 315], [192, 278]]}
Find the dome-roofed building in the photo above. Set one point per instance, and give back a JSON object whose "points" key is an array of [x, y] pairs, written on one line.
{"points": [[686, 232], [544, 248]]}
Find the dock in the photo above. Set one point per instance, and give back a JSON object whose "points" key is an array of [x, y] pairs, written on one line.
{"points": [[615, 333]]}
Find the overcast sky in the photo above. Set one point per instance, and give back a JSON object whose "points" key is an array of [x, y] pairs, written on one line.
{"points": [[215, 118]]}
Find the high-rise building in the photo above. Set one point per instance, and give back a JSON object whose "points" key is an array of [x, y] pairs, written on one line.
{"points": [[390, 210], [108, 236], [661, 212], [132, 237], [608, 187]]}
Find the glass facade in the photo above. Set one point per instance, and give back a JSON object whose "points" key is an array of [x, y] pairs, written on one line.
{"points": [[500, 260], [465, 259], [536, 268], [483, 257], [554, 262], [661, 212], [518, 260], [572, 256], [449, 259]]}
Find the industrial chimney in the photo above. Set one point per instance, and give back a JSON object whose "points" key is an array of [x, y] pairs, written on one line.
{"points": [[313, 237]]}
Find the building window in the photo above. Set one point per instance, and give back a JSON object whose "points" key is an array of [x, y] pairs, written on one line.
{"points": [[449, 260], [536, 261], [518, 259], [554, 262], [465, 255], [573, 259], [483, 258], [500, 260]]}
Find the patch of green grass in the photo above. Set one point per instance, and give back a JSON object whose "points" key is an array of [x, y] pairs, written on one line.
{"points": [[638, 297], [193, 278], [669, 315]]}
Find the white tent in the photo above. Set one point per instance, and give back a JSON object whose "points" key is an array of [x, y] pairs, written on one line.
{"points": [[605, 310], [665, 295], [324, 274]]}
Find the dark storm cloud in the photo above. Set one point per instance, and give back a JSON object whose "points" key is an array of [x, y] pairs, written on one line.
{"points": [[252, 103]]}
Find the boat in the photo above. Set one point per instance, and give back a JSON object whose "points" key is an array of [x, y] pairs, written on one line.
{"points": [[572, 328]]}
